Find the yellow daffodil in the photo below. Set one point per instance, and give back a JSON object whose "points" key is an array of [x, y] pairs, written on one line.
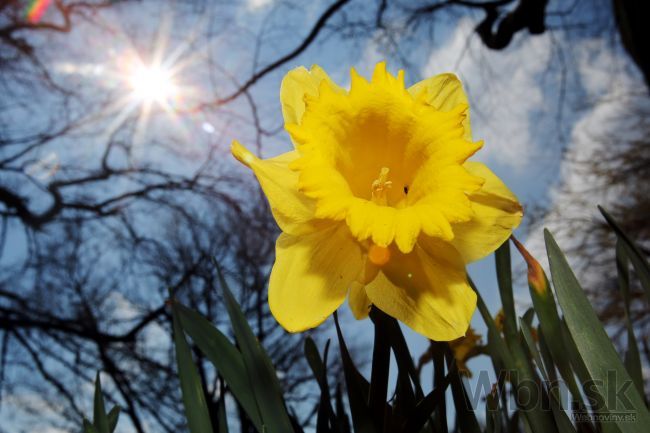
{"points": [[378, 202]]}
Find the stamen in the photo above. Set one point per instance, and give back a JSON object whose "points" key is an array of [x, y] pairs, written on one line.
{"points": [[380, 187]]}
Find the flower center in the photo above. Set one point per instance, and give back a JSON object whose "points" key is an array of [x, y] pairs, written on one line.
{"points": [[380, 187]]}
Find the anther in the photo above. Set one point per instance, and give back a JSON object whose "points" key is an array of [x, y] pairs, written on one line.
{"points": [[380, 186]]}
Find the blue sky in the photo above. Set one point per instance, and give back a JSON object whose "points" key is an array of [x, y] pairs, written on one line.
{"points": [[528, 102]]}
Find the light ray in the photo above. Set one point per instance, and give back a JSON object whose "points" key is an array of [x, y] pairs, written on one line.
{"points": [[152, 82]]}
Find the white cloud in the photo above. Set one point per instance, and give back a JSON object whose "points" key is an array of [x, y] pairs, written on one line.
{"points": [[618, 99], [503, 87]]}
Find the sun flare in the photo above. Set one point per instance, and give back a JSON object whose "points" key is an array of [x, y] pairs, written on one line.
{"points": [[152, 84]]}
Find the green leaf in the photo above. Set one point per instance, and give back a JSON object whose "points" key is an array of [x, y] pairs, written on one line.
{"points": [[403, 356], [222, 427], [634, 253], [593, 344], [326, 415], [492, 417], [440, 414], [528, 316], [467, 422], [595, 401], [540, 420], [361, 418], [404, 401], [549, 320], [261, 372], [88, 427], [549, 365], [224, 356], [409, 391], [113, 417], [563, 423], [504, 279], [196, 408], [380, 368], [632, 357], [513, 422], [425, 407], [100, 419], [496, 346], [527, 335], [342, 421]]}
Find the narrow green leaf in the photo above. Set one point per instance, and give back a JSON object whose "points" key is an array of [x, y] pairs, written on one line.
{"points": [[496, 347], [541, 421], [342, 420], [549, 319], [409, 388], [513, 422], [113, 416], [380, 368], [317, 365], [440, 414], [467, 422], [361, 418], [549, 365], [403, 355], [594, 346], [527, 335], [594, 400], [404, 401], [563, 423], [504, 279], [492, 420], [528, 316], [526, 423], [224, 356], [100, 420], [196, 408], [222, 427], [634, 253], [632, 356], [88, 427], [326, 415], [322, 418], [425, 408], [261, 372]]}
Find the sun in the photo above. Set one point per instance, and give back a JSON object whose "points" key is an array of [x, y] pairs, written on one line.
{"points": [[152, 84]]}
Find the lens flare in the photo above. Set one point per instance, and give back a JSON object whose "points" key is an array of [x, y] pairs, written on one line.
{"points": [[152, 84], [36, 9]]}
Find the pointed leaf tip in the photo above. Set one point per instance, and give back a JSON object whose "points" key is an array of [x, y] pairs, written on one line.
{"points": [[536, 275]]}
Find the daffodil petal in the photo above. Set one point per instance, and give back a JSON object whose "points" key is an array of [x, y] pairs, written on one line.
{"points": [[496, 213], [296, 84], [311, 276], [407, 229], [292, 210], [443, 92], [426, 289], [358, 301]]}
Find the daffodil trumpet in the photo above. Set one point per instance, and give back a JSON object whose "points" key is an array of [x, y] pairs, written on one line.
{"points": [[379, 202]]}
